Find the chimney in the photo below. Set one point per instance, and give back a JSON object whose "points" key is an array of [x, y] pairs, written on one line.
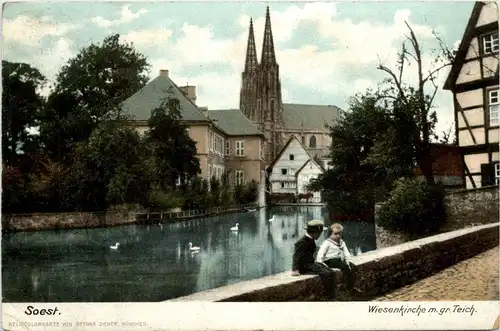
{"points": [[189, 92], [163, 72], [204, 110]]}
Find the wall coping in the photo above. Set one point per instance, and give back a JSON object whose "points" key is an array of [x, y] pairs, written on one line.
{"points": [[285, 278], [471, 190]]}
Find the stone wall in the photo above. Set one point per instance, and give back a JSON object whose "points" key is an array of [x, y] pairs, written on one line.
{"points": [[378, 271], [471, 207], [49, 221], [465, 208]]}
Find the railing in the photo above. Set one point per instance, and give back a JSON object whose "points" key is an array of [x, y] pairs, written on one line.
{"points": [[186, 214]]}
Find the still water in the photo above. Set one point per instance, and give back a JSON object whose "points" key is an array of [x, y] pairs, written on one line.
{"points": [[154, 263]]}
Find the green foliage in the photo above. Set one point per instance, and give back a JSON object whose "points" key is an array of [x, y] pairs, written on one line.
{"points": [[111, 168], [13, 189], [226, 198], [215, 192], [174, 151], [164, 200], [88, 91], [414, 207], [21, 106], [250, 192]]}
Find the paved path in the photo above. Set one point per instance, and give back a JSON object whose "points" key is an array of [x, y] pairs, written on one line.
{"points": [[473, 279]]}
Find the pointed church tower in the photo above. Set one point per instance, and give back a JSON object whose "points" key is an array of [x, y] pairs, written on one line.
{"points": [[269, 103], [248, 101]]}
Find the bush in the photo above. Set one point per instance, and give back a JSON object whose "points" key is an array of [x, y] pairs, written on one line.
{"points": [[414, 207], [164, 200]]}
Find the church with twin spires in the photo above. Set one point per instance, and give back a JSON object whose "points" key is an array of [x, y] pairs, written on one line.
{"points": [[261, 102]]}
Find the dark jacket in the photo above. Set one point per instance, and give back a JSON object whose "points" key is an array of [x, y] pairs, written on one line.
{"points": [[303, 256]]}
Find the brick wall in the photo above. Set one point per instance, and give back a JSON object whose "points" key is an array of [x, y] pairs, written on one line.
{"points": [[378, 271]]}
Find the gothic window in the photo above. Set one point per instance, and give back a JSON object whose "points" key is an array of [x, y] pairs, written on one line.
{"points": [[303, 140], [273, 108], [312, 142]]}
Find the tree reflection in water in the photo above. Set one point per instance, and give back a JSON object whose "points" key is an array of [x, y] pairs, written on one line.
{"points": [[154, 263]]}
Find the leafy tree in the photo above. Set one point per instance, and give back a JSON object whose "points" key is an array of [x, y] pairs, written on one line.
{"points": [[173, 149], [89, 90], [21, 105], [13, 189], [112, 168], [417, 101], [226, 196], [215, 191], [352, 184]]}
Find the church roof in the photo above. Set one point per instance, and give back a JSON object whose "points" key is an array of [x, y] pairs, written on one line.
{"points": [[140, 104], [309, 117], [233, 122]]}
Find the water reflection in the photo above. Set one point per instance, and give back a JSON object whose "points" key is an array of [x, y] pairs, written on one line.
{"points": [[154, 263]]}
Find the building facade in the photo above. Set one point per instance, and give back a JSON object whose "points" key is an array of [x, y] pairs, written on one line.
{"points": [[474, 82], [261, 102], [225, 141], [289, 172]]}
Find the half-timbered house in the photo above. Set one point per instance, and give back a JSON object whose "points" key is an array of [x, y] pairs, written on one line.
{"points": [[474, 82]]}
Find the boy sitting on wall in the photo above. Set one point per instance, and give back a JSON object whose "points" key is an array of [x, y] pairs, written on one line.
{"points": [[334, 253], [303, 257]]}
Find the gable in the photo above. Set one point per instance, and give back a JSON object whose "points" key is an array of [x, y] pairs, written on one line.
{"points": [[140, 104], [292, 147], [310, 167], [488, 14], [467, 67]]}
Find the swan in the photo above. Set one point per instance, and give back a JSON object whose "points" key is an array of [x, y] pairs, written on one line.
{"points": [[115, 246], [235, 228], [272, 218], [193, 248], [325, 228]]}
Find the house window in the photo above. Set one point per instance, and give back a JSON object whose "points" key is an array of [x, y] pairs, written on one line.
{"points": [[292, 157], [282, 184], [312, 142], [228, 148], [284, 171], [211, 140], [490, 43], [292, 171], [239, 177], [497, 173], [493, 107], [239, 148]]}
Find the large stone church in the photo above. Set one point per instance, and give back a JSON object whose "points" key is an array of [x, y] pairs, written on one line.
{"points": [[261, 101]]}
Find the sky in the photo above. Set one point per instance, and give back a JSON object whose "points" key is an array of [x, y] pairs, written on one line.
{"points": [[327, 51]]}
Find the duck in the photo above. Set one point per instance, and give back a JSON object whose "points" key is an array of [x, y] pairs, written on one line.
{"points": [[115, 246], [235, 228], [193, 248]]}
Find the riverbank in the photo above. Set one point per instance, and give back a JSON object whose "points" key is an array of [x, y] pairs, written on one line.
{"points": [[89, 220]]}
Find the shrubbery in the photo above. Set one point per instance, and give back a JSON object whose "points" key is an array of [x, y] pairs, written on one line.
{"points": [[414, 207]]}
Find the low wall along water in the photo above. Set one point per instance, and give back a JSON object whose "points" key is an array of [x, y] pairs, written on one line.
{"points": [[377, 272]]}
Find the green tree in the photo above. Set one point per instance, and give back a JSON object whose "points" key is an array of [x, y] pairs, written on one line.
{"points": [[112, 168], [226, 195], [416, 101], [352, 184], [215, 191], [21, 106], [174, 151], [88, 91]]}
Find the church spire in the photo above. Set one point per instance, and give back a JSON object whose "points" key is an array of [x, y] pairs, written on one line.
{"points": [[251, 59], [268, 56]]}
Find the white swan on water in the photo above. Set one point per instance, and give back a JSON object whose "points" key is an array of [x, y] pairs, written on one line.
{"points": [[115, 246], [235, 228], [193, 248]]}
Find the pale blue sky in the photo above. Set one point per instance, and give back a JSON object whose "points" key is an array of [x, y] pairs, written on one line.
{"points": [[326, 51]]}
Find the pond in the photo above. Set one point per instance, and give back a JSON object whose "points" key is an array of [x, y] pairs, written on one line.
{"points": [[154, 263]]}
